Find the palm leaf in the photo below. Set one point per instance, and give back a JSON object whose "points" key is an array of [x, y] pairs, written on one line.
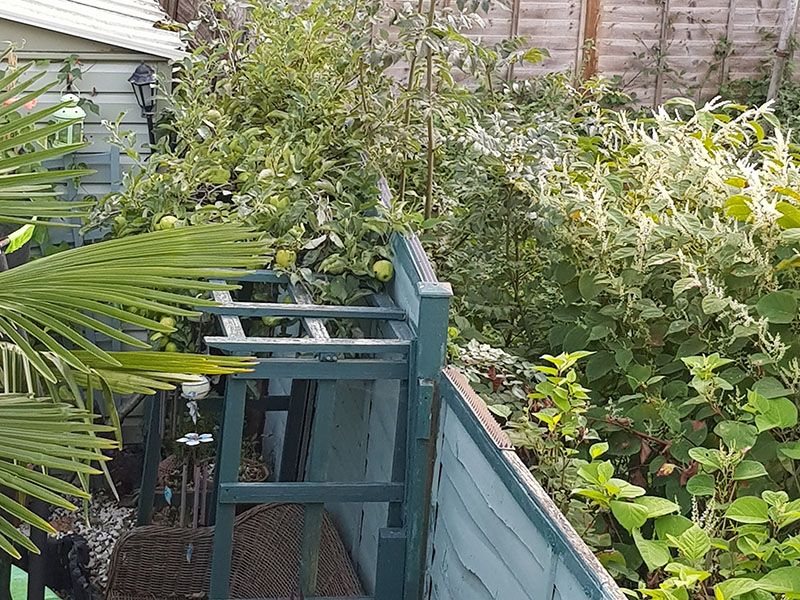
{"points": [[135, 373], [41, 434], [148, 372], [26, 189], [56, 299], [47, 306]]}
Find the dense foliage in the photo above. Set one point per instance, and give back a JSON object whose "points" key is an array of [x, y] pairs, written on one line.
{"points": [[649, 257], [297, 126], [659, 249], [275, 126]]}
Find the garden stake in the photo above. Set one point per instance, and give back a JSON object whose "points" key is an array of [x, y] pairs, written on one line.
{"points": [[196, 497], [184, 483], [204, 494], [174, 420]]}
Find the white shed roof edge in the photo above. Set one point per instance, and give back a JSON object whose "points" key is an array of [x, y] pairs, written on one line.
{"points": [[150, 40]]}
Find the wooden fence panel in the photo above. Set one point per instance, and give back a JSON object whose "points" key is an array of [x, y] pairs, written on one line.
{"points": [[657, 48], [494, 531]]}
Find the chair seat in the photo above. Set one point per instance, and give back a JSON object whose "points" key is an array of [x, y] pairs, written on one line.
{"points": [[158, 562]]}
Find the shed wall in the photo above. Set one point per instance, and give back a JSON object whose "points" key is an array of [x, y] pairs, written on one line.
{"points": [[104, 81]]}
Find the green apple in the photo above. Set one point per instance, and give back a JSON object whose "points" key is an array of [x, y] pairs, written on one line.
{"points": [[285, 259], [383, 270], [167, 222]]}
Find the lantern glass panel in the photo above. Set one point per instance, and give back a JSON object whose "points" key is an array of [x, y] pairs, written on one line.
{"points": [[143, 81], [73, 114]]}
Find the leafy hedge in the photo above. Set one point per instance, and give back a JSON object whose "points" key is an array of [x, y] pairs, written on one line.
{"points": [[274, 126], [650, 257], [660, 249]]}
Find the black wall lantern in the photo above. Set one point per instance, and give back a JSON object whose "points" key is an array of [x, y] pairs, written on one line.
{"points": [[143, 82]]}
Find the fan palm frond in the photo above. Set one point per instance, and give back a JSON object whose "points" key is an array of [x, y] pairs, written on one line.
{"points": [[48, 306], [38, 434], [56, 299], [26, 188]]}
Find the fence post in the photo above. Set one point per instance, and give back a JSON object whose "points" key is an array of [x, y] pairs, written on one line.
{"points": [[587, 41], [783, 51], [658, 93], [725, 65], [513, 32], [152, 457], [317, 470], [430, 349]]}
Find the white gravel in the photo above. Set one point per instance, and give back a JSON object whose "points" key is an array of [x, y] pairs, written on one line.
{"points": [[107, 522]]}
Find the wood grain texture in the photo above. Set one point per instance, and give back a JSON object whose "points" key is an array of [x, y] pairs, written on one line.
{"points": [[495, 533], [590, 29], [483, 547]]}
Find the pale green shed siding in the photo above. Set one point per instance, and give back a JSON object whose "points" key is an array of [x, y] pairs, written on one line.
{"points": [[104, 81]]}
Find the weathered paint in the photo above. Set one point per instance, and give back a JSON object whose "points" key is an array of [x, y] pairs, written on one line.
{"points": [[369, 417], [362, 446], [125, 24], [356, 465], [380, 456], [227, 470], [495, 533], [106, 69]]}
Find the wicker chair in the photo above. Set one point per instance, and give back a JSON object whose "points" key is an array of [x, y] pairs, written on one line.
{"points": [[159, 563]]}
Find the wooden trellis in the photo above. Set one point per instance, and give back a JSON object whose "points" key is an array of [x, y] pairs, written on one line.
{"points": [[408, 347]]}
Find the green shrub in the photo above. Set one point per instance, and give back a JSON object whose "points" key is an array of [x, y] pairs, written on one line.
{"points": [[275, 126], [665, 245]]}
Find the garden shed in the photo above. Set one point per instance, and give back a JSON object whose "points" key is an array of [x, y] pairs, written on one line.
{"points": [[110, 39]]}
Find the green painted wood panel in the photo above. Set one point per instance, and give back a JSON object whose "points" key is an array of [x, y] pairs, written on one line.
{"points": [[361, 449], [494, 532], [42, 40], [485, 547], [348, 454], [382, 422], [104, 82]]}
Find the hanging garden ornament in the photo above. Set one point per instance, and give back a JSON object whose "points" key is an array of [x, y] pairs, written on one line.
{"points": [[194, 411], [195, 439], [71, 113], [196, 389]]}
